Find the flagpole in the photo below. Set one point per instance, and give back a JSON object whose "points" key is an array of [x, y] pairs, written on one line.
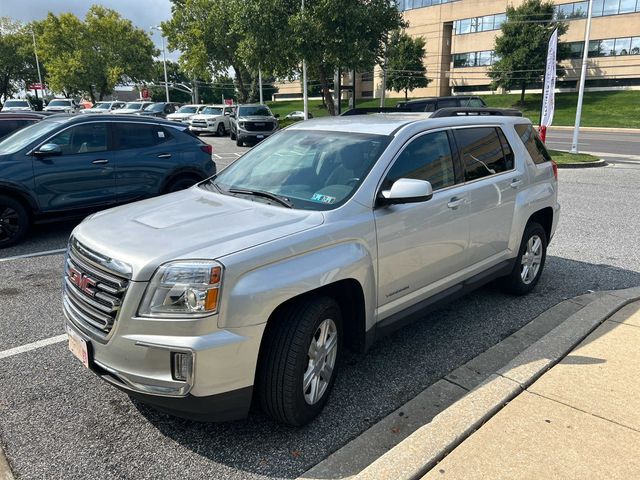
{"points": [[548, 92], [583, 74]]}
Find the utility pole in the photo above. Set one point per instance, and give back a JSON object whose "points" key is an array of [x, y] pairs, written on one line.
{"points": [[305, 92], [164, 61], [35, 51], [260, 82], [583, 74]]}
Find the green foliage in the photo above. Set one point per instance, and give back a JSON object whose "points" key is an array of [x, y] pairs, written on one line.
{"points": [[93, 55], [522, 47], [17, 60], [405, 65]]}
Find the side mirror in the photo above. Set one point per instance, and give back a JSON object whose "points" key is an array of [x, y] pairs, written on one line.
{"points": [[48, 150], [406, 190], [227, 114]]}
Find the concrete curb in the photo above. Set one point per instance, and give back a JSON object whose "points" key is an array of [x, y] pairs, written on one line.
{"points": [[597, 163], [424, 448], [5, 470]]}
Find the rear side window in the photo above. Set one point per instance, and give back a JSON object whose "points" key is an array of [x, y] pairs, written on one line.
{"points": [[482, 152], [449, 102], [139, 135], [474, 103], [428, 157], [532, 142]]}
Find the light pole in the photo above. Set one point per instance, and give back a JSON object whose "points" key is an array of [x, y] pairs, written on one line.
{"points": [[583, 74], [305, 93], [35, 51], [164, 61]]}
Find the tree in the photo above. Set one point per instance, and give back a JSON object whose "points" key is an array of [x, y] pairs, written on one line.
{"points": [[93, 55], [522, 48], [333, 34], [17, 61], [404, 65]]}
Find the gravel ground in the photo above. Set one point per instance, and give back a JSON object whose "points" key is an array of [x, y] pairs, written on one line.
{"points": [[58, 420]]}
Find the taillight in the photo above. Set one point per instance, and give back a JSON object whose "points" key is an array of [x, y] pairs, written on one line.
{"points": [[207, 149], [555, 169]]}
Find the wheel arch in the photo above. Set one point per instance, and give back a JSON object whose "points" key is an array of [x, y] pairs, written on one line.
{"points": [[24, 198], [180, 173], [544, 217]]}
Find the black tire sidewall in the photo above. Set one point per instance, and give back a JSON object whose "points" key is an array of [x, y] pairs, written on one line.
{"points": [[24, 220]]}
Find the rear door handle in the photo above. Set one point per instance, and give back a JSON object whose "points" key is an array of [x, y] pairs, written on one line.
{"points": [[164, 155], [101, 161], [515, 183], [455, 202]]}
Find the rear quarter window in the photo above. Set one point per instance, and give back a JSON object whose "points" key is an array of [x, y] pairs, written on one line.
{"points": [[532, 143]]}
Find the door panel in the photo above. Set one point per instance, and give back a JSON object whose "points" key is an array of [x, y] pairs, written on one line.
{"points": [[421, 243], [83, 176]]}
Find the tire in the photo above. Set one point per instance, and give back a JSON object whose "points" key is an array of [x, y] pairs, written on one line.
{"points": [[239, 142], [529, 262], [221, 131], [285, 361], [14, 221], [180, 183], [232, 135]]}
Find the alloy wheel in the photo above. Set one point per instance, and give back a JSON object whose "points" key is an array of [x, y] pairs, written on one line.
{"points": [[321, 360], [9, 223], [531, 260]]}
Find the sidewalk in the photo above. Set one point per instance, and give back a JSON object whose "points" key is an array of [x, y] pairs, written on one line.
{"points": [[579, 420]]}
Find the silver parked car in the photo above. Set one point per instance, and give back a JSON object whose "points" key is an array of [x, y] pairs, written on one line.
{"points": [[17, 105], [327, 235]]}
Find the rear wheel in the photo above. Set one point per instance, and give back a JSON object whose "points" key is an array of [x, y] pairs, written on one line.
{"points": [[298, 361], [14, 221], [530, 261], [221, 131]]}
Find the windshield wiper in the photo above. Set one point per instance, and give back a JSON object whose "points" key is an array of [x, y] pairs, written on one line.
{"points": [[259, 193]]}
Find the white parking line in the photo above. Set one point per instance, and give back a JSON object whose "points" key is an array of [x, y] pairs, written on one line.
{"points": [[33, 346], [34, 254]]}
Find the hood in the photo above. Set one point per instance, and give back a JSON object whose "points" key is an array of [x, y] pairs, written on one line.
{"points": [[191, 224], [148, 114], [126, 110], [180, 115], [55, 109]]}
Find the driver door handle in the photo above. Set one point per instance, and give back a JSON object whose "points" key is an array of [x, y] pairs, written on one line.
{"points": [[164, 155], [101, 161], [455, 202], [515, 183]]}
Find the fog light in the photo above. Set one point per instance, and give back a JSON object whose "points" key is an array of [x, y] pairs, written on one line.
{"points": [[181, 366]]}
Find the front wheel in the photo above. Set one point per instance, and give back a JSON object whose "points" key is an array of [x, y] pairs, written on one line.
{"points": [[232, 135], [530, 261], [298, 361], [221, 131], [239, 142]]}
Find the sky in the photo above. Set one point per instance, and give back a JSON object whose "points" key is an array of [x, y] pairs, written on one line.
{"points": [[143, 13]]}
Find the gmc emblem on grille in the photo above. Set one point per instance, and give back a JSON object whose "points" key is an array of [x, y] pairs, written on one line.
{"points": [[82, 281]]}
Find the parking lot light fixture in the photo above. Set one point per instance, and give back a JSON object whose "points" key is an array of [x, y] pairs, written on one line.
{"points": [[164, 61]]}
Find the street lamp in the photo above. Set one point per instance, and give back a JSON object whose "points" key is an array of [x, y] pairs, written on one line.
{"points": [[164, 61]]}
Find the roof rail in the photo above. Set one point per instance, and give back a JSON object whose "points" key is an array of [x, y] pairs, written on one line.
{"points": [[482, 111], [367, 110]]}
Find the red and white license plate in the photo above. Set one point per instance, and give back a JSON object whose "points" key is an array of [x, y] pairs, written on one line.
{"points": [[78, 347]]}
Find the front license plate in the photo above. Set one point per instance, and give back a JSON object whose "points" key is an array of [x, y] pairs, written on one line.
{"points": [[78, 347], [259, 136]]}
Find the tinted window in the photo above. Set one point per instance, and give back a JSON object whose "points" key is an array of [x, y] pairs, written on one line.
{"points": [[16, 103], [426, 158], [475, 103], [139, 135], [59, 103], [8, 126], [534, 145], [482, 152], [91, 137], [188, 109], [449, 102]]}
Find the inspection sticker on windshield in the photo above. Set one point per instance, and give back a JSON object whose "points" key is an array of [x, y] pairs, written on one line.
{"points": [[318, 197]]}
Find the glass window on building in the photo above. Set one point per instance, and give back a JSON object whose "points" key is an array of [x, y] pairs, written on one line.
{"points": [[483, 58], [485, 23], [608, 47], [611, 7], [627, 6], [623, 46], [575, 49], [635, 46], [580, 9], [461, 60], [465, 26], [595, 48], [499, 19], [596, 9], [565, 11]]}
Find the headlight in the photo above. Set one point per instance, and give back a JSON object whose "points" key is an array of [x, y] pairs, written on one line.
{"points": [[183, 289]]}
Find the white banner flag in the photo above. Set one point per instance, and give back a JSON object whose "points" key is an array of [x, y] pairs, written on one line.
{"points": [[548, 98]]}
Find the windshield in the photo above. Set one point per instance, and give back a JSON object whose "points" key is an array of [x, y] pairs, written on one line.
{"points": [[155, 107], [16, 103], [211, 111], [188, 109], [59, 103], [133, 106], [23, 137], [257, 110], [314, 170], [102, 106]]}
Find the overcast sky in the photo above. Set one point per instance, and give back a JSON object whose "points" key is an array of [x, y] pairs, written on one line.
{"points": [[143, 13]]}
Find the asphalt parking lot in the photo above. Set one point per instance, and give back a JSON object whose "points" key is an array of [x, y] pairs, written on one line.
{"points": [[57, 420]]}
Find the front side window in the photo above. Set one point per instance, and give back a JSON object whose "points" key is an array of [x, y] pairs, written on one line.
{"points": [[533, 144], [313, 170], [88, 138], [482, 152], [139, 135], [428, 157]]}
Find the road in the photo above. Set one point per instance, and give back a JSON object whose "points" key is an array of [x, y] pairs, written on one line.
{"points": [[57, 420], [614, 145]]}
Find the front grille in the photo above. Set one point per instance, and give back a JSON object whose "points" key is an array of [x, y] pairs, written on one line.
{"points": [[258, 126], [92, 295], [199, 123]]}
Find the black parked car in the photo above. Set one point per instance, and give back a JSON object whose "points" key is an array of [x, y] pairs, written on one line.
{"points": [[436, 103], [67, 166], [159, 109], [12, 121]]}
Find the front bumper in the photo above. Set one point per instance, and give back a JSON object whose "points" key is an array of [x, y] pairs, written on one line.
{"points": [[253, 137], [207, 129]]}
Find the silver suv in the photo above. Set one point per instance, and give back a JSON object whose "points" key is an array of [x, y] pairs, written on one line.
{"points": [[249, 285]]}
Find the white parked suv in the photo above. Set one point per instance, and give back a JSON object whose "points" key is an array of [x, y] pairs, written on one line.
{"points": [[184, 113], [212, 119], [17, 105], [330, 233], [62, 105]]}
